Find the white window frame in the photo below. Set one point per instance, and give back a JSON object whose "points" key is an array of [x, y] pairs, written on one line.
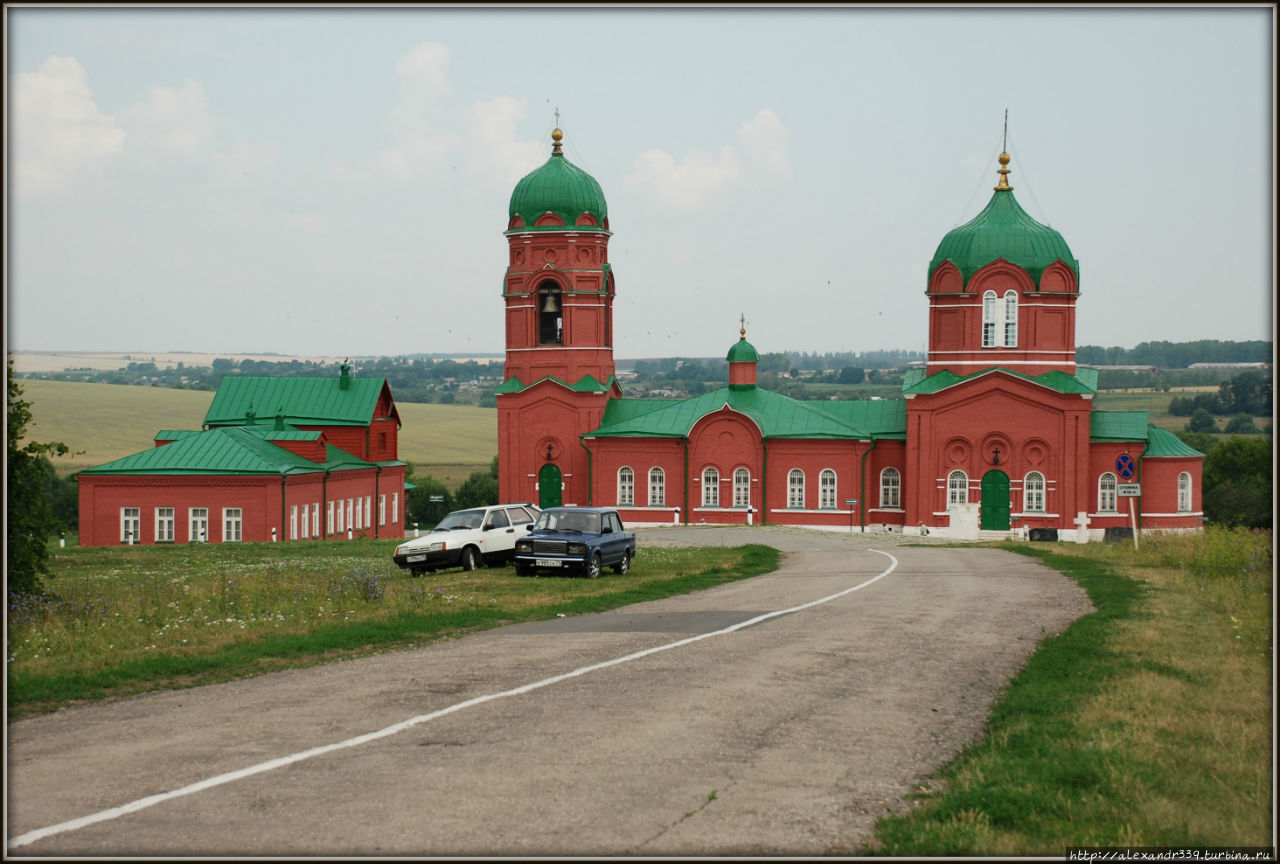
{"points": [[1033, 486], [657, 487], [1010, 319], [341, 511], [315, 519], [293, 521], [1000, 319], [329, 521], [710, 487], [891, 488], [305, 532], [198, 524], [957, 488], [164, 524], [827, 489], [795, 489], [1184, 492], [395, 507], [626, 487], [368, 511], [358, 522], [1107, 493], [130, 524], [741, 488], [232, 524], [351, 511]]}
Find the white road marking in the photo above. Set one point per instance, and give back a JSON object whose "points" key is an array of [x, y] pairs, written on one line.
{"points": [[271, 765]]}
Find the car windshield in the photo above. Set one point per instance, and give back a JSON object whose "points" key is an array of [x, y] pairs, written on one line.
{"points": [[582, 523], [461, 519]]}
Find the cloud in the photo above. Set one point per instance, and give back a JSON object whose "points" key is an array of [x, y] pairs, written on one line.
{"points": [[247, 158], [56, 127], [173, 122], [760, 153], [420, 146], [495, 153]]}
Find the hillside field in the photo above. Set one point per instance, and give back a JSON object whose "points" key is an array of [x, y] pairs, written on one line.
{"points": [[108, 421]]}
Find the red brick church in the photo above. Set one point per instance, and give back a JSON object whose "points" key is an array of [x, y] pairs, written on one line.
{"points": [[997, 433]]}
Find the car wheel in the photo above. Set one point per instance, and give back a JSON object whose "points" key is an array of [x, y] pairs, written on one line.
{"points": [[521, 570], [415, 572], [470, 558], [593, 568], [624, 565]]}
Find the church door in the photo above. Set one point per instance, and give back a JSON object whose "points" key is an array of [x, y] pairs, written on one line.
{"points": [[995, 501], [549, 488]]}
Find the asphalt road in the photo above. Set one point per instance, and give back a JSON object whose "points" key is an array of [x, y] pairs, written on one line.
{"points": [[780, 735]]}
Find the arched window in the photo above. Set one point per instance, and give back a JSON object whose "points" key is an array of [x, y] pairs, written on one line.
{"points": [[1184, 492], [550, 314], [827, 489], [1000, 320], [1011, 319], [710, 488], [657, 487], [958, 488], [742, 488], [890, 488], [1033, 493], [1107, 493], [795, 489], [626, 486]]}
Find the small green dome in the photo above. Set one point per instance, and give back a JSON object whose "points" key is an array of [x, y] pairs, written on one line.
{"points": [[743, 352], [559, 187], [1003, 230]]}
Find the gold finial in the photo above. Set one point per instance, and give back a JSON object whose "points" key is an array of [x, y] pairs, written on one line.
{"points": [[742, 326], [556, 135], [1004, 173]]}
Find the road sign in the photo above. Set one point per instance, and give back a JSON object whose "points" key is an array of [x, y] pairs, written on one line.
{"points": [[1129, 490], [851, 500], [1125, 466], [436, 499]]}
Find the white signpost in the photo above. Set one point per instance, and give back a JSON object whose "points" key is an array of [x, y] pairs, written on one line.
{"points": [[1132, 491]]}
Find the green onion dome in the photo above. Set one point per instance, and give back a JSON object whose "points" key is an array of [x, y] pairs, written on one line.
{"points": [[561, 188], [742, 351], [1003, 230]]}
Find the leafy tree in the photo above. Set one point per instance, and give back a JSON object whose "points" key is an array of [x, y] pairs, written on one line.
{"points": [[851, 375], [1246, 393], [422, 509], [478, 490], [1201, 421], [1238, 482], [30, 519], [1241, 424], [1202, 441]]}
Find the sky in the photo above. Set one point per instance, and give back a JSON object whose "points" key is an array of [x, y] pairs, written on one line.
{"points": [[335, 181]]}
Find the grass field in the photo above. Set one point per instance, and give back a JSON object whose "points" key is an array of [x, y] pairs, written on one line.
{"points": [[122, 620], [101, 422], [1146, 723]]}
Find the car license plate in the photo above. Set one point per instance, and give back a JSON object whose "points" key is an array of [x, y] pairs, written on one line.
{"points": [[414, 559], [546, 562]]}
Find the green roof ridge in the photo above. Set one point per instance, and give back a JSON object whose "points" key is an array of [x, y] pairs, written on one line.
{"points": [[1055, 379], [1163, 444]]}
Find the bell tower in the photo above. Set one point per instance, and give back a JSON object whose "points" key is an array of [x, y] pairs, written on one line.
{"points": [[558, 294]]}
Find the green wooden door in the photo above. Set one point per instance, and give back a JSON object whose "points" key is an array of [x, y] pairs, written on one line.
{"points": [[549, 488], [995, 501]]}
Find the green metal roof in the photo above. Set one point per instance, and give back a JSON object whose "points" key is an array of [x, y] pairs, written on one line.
{"points": [[586, 384], [305, 401], [1057, 381], [1003, 230], [228, 450], [777, 416], [562, 188], [742, 352], [1118, 426], [1163, 443]]}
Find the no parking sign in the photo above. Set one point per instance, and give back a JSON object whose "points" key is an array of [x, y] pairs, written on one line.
{"points": [[1125, 466]]}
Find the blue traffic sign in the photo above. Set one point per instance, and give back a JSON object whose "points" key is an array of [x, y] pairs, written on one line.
{"points": [[1125, 466]]}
